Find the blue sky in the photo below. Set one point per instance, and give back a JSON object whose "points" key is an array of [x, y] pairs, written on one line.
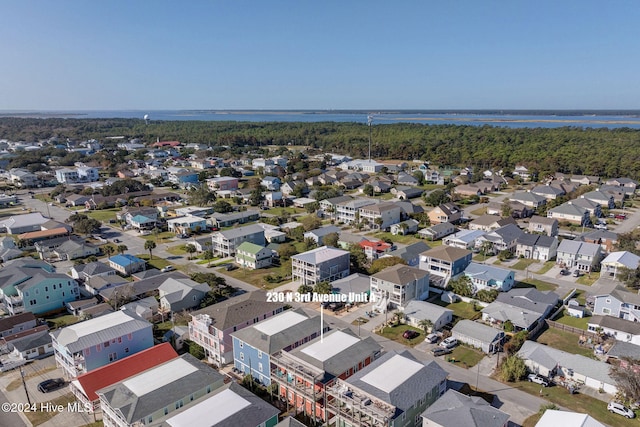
{"points": [[149, 55]]}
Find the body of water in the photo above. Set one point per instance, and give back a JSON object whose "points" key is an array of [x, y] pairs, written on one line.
{"points": [[511, 120]]}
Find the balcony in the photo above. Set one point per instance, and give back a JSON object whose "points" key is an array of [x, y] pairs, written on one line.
{"points": [[355, 405]]}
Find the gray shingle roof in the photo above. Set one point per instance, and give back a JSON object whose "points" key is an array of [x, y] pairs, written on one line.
{"points": [[469, 328], [455, 409], [401, 274]]}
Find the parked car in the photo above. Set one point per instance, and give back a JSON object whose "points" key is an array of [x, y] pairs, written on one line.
{"points": [[620, 409], [51, 385], [538, 379], [116, 240], [449, 342], [620, 216], [439, 351], [576, 273], [431, 338], [168, 268], [565, 272], [409, 334]]}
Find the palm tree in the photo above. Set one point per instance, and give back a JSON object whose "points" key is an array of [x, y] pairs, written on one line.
{"points": [[426, 325], [397, 317], [150, 245], [190, 249], [208, 255], [109, 250], [122, 249]]}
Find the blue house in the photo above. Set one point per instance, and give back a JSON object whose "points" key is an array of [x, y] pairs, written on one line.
{"points": [[88, 345], [254, 346], [184, 179], [271, 183], [127, 264], [30, 285], [485, 276]]}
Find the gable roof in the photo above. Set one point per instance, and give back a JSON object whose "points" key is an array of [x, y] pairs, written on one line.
{"points": [[486, 272], [401, 274], [321, 254], [7, 323], [477, 330], [125, 260], [555, 418], [175, 290], [93, 268], [241, 231], [447, 253], [454, 409], [425, 310], [117, 371]]}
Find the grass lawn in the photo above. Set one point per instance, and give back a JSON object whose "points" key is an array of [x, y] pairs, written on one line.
{"points": [[62, 321], [466, 356], [407, 240], [256, 277], [177, 250], [576, 322], [576, 402], [546, 267], [17, 383], [360, 320], [460, 309], [156, 262], [395, 333], [523, 264], [164, 237], [103, 215], [480, 211], [535, 283], [40, 417], [563, 340], [588, 279]]}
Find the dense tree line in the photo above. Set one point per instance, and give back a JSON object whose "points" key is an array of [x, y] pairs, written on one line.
{"points": [[592, 151]]}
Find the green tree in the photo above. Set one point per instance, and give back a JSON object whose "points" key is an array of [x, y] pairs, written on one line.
{"points": [[487, 295], [286, 251], [222, 206], [87, 226], [256, 196], [419, 176], [426, 325], [305, 289], [312, 207], [331, 239], [208, 255], [513, 368], [630, 277], [150, 245], [436, 198], [190, 249], [200, 195], [309, 243], [323, 288], [310, 222], [122, 249], [108, 250], [357, 258], [627, 379], [382, 263], [367, 190], [462, 286]]}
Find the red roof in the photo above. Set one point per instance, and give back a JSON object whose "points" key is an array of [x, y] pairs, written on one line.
{"points": [[378, 245], [166, 143], [125, 368]]}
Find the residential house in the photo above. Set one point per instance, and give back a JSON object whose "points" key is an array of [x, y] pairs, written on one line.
{"points": [[489, 340], [211, 327], [549, 192], [223, 183], [8, 250], [227, 220], [374, 249], [18, 224], [543, 225], [77, 199], [271, 183], [353, 286], [319, 233], [406, 193], [406, 179], [380, 216], [226, 242], [502, 239], [513, 208], [254, 346], [464, 239], [18, 323], [88, 345], [524, 308], [592, 207], [522, 172], [187, 224], [620, 329], [379, 186], [202, 244], [608, 240], [252, 256], [627, 184], [76, 307], [410, 253], [529, 199], [86, 386], [619, 260], [605, 200], [226, 406], [329, 207], [397, 285], [73, 249], [397, 389], [23, 178], [273, 198], [437, 232], [570, 213], [447, 212], [126, 264], [184, 178], [489, 277], [150, 396], [579, 255], [146, 308], [28, 240], [618, 303], [403, 228], [176, 295], [548, 361], [318, 265], [348, 211], [29, 345], [554, 418], [444, 263], [303, 374], [416, 311], [96, 284], [455, 409], [537, 247]]}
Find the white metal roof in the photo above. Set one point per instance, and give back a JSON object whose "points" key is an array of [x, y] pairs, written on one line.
{"points": [[391, 374], [279, 323], [226, 404], [160, 376], [330, 346]]}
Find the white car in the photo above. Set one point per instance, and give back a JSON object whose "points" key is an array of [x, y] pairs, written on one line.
{"points": [[538, 379], [620, 409], [449, 342], [168, 268], [431, 338]]}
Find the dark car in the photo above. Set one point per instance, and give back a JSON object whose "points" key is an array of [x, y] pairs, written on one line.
{"points": [[51, 385], [565, 272], [439, 351], [409, 334]]}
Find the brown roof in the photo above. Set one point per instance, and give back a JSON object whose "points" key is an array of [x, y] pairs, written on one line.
{"points": [[9, 322], [61, 231], [401, 274], [448, 253]]}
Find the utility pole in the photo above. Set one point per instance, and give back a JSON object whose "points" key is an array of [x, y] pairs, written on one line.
{"points": [[24, 384], [369, 122]]}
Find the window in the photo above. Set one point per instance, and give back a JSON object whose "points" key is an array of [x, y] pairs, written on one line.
{"points": [[241, 344], [166, 411], [126, 350], [113, 356], [150, 419], [608, 300], [606, 311], [208, 389], [129, 337], [259, 354], [54, 287], [119, 340], [46, 289], [242, 356], [98, 347], [106, 344], [260, 367]]}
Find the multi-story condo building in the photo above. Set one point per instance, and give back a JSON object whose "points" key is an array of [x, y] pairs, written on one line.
{"points": [[211, 327], [444, 263], [381, 215], [393, 391], [225, 242], [318, 265], [347, 211], [254, 346], [303, 374], [399, 284], [150, 397], [96, 342]]}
